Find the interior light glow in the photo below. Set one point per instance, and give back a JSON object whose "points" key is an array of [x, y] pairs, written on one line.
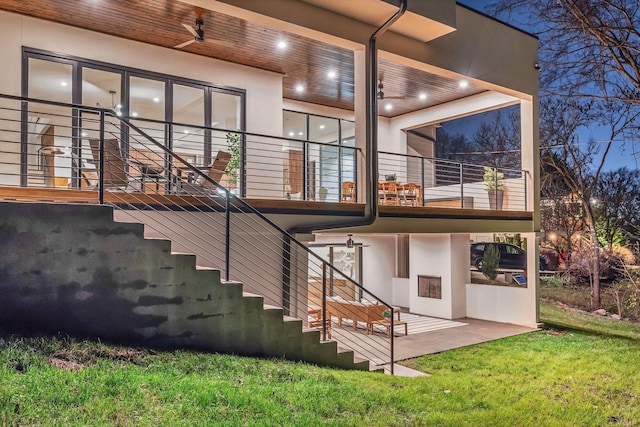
{"points": [[134, 114], [119, 106], [282, 44], [331, 74], [83, 134], [422, 96], [388, 107], [156, 99], [321, 126], [300, 133], [118, 113], [299, 88], [63, 84], [186, 131], [292, 133], [463, 84]]}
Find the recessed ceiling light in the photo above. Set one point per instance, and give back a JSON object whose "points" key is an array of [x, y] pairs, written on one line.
{"points": [[422, 96], [282, 44], [299, 88], [134, 114], [63, 84], [186, 131], [84, 134], [321, 126], [292, 133], [156, 99], [331, 74], [300, 133], [119, 106], [463, 84], [388, 107]]}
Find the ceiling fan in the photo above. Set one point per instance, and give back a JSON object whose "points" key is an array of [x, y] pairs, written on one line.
{"points": [[198, 36], [381, 94]]}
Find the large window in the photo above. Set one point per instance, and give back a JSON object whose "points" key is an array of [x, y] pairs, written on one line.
{"points": [[329, 147], [172, 110]]}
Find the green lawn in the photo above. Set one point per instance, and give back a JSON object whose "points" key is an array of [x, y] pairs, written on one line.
{"points": [[582, 371]]}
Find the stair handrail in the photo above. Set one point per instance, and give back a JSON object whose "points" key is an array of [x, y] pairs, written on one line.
{"points": [[288, 238]]}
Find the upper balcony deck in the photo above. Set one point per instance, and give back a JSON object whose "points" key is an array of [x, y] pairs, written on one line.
{"points": [[77, 154]]}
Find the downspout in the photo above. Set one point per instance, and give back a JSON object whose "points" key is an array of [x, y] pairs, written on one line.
{"points": [[371, 164], [371, 136]]}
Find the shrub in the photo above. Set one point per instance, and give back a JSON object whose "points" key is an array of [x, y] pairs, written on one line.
{"points": [[581, 264], [624, 254], [553, 281], [490, 262], [551, 256]]}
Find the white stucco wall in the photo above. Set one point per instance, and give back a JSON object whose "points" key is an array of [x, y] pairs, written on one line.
{"points": [[441, 255]]}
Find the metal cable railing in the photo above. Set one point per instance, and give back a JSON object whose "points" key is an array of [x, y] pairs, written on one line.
{"points": [[92, 155], [449, 184]]}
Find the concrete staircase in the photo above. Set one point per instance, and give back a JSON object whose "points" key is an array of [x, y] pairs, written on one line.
{"points": [[71, 268]]}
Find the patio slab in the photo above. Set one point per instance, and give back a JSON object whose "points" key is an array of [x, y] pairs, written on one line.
{"points": [[472, 331]]}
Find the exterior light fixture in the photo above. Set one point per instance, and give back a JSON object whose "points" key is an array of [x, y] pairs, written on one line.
{"points": [[331, 74], [282, 45], [463, 84], [388, 107], [299, 88], [422, 96]]}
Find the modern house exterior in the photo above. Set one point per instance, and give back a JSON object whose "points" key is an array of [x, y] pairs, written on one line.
{"points": [[287, 88]]}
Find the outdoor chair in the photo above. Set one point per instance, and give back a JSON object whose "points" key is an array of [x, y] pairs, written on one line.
{"points": [[348, 192], [215, 171]]}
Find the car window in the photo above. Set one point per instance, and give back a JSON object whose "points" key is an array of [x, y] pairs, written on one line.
{"points": [[513, 250], [478, 247]]}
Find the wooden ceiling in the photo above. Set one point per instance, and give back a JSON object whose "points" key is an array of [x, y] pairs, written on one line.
{"points": [[304, 62]]}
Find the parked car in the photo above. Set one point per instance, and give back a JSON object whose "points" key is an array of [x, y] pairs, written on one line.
{"points": [[511, 256]]}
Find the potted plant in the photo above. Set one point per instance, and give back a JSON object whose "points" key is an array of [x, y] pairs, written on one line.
{"points": [[233, 167], [494, 184], [387, 314]]}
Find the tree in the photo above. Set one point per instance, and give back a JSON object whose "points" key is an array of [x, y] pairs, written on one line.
{"points": [[589, 58], [617, 205], [498, 141], [589, 48], [574, 168]]}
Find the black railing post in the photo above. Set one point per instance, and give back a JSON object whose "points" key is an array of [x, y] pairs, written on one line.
{"points": [[423, 189], [526, 195], [101, 172], [305, 172], [286, 274], [227, 237], [324, 301], [461, 172], [392, 336]]}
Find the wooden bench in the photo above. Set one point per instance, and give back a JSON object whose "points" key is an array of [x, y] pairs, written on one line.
{"points": [[355, 311], [386, 323]]}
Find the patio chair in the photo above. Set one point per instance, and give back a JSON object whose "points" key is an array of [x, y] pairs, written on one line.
{"points": [[388, 193], [115, 172], [215, 171], [348, 192]]}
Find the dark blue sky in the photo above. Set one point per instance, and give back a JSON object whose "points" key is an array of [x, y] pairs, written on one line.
{"points": [[625, 152]]}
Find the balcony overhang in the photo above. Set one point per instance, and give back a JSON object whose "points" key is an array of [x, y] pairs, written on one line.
{"points": [[347, 24], [423, 21]]}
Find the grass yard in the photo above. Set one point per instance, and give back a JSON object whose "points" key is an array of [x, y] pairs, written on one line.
{"points": [[582, 371]]}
